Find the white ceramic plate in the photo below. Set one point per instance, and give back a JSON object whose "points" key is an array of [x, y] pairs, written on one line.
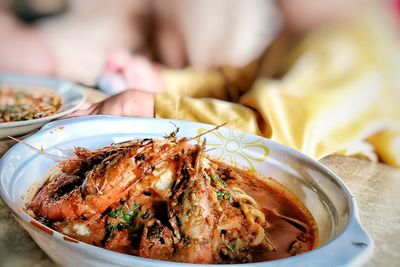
{"points": [[342, 239], [71, 97]]}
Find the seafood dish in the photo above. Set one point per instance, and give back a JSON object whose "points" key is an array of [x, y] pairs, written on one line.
{"points": [[18, 105], [75, 223], [166, 199], [29, 102]]}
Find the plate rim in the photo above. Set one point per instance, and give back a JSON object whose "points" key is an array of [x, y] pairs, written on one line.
{"points": [[353, 223], [31, 80]]}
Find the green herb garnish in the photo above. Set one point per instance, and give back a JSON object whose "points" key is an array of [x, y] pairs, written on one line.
{"points": [[112, 227], [125, 219], [128, 216], [233, 247], [224, 195], [218, 180]]}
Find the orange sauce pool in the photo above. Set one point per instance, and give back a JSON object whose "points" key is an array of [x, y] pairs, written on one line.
{"points": [[290, 238]]}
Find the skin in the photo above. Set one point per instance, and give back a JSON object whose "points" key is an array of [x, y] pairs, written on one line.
{"points": [[19, 42], [300, 16], [128, 103]]}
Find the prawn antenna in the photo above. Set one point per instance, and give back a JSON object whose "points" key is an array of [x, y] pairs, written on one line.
{"points": [[52, 156], [206, 132]]}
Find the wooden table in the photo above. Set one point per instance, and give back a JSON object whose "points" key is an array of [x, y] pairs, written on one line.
{"points": [[376, 188]]}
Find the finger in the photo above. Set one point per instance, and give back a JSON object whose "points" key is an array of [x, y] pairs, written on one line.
{"points": [[85, 105], [82, 112]]}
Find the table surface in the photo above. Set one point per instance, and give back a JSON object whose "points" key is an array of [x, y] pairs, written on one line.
{"points": [[375, 186]]}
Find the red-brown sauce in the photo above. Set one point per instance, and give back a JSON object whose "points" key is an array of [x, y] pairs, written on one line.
{"points": [[185, 208], [274, 199]]}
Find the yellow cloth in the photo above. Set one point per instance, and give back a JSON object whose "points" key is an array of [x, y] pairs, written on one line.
{"points": [[340, 94]]}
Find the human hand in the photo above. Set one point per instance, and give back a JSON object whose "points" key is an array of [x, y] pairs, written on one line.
{"points": [[132, 103]]}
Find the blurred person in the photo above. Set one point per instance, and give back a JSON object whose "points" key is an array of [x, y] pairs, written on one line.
{"points": [[74, 41], [319, 87], [67, 38], [328, 84]]}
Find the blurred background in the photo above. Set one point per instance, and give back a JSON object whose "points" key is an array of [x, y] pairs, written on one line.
{"points": [[320, 76], [75, 39]]}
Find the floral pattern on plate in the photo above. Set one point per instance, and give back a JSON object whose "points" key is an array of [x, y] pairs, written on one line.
{"points": [[235, 149]]}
